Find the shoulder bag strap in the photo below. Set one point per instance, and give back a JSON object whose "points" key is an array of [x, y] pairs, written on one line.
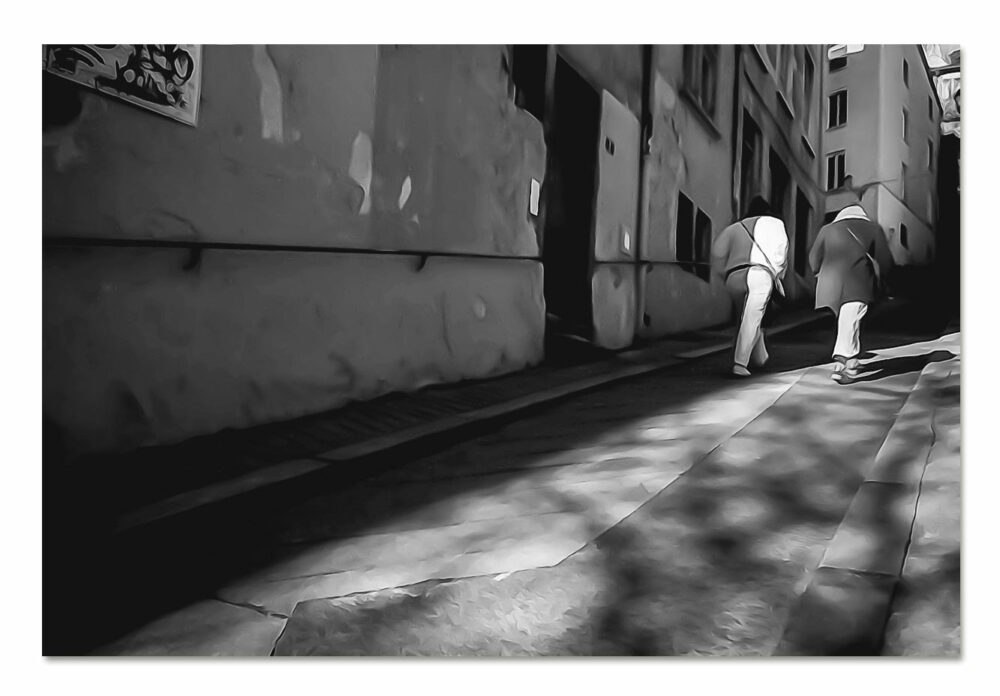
{"points": [[770, 266], [878, 272]]}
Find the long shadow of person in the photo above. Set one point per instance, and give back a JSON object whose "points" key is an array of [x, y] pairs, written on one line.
{"points": [[890, 367]]}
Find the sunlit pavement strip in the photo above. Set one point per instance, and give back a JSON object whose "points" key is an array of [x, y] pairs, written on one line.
{"points": [[209, 628], [498, 528], [844, 609]]}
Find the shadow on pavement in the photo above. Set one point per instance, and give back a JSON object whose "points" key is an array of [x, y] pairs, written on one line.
{"points": [[708, 566], [98, 587], [890, 367]]}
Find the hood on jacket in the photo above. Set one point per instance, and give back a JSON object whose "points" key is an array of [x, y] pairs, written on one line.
{"points": [[852, 212]]}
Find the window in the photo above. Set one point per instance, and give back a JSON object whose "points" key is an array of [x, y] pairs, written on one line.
{"points": [[930, 108], [786, 69], [528, 75], [902, 183], [835, 170], [701, 75], [906, 73], [906, 126], [693, 238], [838, 109], [904, 237], [838, 63], [808, 148], [684, 234], [780, 185], [809, 78], [930, 154], [751, 161], [703, 245], [798, 85]]}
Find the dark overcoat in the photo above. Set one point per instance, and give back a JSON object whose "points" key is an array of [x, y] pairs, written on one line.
{"points": [[844, 272]]}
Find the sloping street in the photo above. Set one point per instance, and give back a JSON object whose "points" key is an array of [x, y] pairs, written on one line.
{"points": [[676, 513]]}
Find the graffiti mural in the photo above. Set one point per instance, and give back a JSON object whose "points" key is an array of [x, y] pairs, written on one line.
{"points": [[165, 78]]}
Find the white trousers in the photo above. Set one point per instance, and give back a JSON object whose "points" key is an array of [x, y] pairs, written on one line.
{"points": [[849, 318], [750, 337]]}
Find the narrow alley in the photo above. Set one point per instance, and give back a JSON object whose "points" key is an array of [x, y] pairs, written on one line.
{"points": [[458, 350]]}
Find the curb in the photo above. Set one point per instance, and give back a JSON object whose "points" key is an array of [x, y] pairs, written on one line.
{"points": [[845, 607], [292, 469]]}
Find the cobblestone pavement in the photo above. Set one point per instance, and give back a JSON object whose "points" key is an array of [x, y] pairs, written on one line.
{"points": [[680, 513]]}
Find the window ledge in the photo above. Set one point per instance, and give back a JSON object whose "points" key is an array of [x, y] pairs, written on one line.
{"points": [[783, 101], [700, 113], [761, 56], [833, 128], [808, 147]]}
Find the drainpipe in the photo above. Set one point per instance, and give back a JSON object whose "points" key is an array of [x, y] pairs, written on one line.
{"points": [[642, 218]]}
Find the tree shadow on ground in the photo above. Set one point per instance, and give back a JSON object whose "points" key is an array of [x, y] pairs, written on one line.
{"points": [[711, 565], [926, 617], [136, 577]]}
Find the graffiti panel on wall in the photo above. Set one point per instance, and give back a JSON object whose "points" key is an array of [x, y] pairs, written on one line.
{"points": [[165, 78]]}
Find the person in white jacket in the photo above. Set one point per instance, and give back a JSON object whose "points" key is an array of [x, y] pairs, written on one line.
{"points": [[750, 256]]}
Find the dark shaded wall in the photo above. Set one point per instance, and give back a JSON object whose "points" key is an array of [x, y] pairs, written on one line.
{"points": [[949, 227], [219, 276]]}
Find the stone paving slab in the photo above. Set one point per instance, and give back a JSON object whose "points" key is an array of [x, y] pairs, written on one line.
{"points": [[841, 613], [875, 531], [342, 567], [208, 628], [877, 539], [926, 612], [430, 504], [510, 615], [691, 425]]}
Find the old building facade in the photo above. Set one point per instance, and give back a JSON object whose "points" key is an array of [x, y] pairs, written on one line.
{"points": [[346, 221], [881, 143]]}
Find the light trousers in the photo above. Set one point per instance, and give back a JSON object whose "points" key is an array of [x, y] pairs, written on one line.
{"points": [[849, 318], [750, 337]]}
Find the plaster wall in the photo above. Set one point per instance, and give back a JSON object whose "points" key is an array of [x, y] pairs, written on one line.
{"points": [[140, 348], [200, 278]]}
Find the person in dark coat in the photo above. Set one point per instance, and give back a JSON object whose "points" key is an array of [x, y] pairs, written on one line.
{"points": [[850, 256], [750, 256]]}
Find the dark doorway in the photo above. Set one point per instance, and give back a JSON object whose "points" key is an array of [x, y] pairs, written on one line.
{"points": [[803, 222], [780, 181], [948, 228], [573, 128]]}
